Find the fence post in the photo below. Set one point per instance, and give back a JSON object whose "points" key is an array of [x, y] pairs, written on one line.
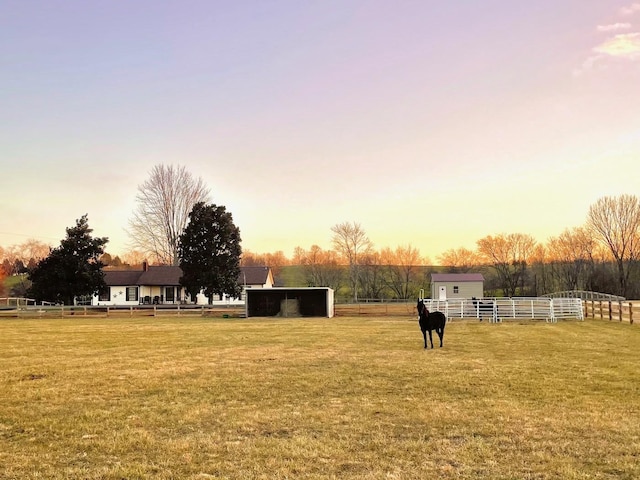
{"points": [[620, 307], [631, 313], [610, 311]]}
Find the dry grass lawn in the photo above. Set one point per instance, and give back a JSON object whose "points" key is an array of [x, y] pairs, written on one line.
{"points": [[343, 398]]}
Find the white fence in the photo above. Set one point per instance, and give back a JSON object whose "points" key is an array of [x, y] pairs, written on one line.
{"points": [[17, 301], [498, 309]]}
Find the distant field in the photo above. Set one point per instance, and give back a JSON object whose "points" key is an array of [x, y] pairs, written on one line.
{"points": [[342, 398]]}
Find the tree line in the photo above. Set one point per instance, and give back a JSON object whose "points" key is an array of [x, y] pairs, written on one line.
{"points": [[601, 255], [209, 254]]}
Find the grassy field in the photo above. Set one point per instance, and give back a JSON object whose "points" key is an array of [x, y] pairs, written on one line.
{"points": [[343, 398]]}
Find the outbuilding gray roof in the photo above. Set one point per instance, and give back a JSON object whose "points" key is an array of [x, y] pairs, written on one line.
{"points": [[457, 277]]}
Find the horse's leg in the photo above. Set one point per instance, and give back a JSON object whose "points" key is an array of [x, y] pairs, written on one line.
{"points": [[440, 332], [424, 334], [431, 338]]}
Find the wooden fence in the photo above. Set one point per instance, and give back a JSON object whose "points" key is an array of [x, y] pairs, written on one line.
{"points": [[375, 309], [340, 310], [620, 310], [123, 312]]}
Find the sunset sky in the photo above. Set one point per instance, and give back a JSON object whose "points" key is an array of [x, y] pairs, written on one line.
{"points": [[430, 123]]}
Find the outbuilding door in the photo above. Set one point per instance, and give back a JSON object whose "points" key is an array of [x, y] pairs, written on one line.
{"points": [[442, 292]]}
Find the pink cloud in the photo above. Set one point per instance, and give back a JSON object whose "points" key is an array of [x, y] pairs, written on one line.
{"points": [[613, 27], [631, 9]]}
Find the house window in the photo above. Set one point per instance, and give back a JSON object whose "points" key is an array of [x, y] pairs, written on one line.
{"points": [[132, 294], [455, 289], [105, 295], [169, 294]]}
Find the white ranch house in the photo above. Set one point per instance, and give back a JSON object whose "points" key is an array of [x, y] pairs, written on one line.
{"points": [[160, 285], [456, 285]]}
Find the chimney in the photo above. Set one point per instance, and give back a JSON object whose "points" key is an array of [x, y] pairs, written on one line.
{"points": [[145, 266]]}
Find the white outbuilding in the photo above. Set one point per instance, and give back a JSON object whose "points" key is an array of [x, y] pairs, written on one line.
{"points": [[456, 285]]}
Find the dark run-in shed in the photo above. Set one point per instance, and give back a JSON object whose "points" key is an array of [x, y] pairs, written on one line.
{"points": [[289, 302]]}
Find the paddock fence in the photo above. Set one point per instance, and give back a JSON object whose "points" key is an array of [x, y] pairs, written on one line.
{"points": [[501, 309], [619, 310], [380, 309], [491, 309], [223, 311]]}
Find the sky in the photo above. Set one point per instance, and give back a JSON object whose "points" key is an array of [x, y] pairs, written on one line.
{"points": [[431, 123]]}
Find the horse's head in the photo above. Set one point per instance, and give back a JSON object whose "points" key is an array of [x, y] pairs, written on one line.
{"points": [[421, 308]]}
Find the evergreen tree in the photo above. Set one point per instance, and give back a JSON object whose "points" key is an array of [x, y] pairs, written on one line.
{"points": [[71, 270], [209, 251]]}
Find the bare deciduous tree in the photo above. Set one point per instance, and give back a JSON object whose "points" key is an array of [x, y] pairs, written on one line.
{"points": [[615, 222], [371, 275], [402, 267], [509, 256], [275, 261], [570, 255], [164, 202], [350, 239], [460, 260], [3, 274], [321, 267], [133, 258]]}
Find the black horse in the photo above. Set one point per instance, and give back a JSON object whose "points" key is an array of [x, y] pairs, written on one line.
{"points": [[430, 321], [483, 309]]}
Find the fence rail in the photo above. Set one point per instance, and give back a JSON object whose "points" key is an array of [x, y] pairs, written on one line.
{"points": [[622, 311], [492, 309], [394, 309], [231, 311], [585, 295], [122, 312], [499, 309], [16, 301]]}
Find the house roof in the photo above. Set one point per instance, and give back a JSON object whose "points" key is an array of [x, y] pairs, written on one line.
{"points": [[154, 276], [166, 275], [457, 277], [161, 275], [253, 275], [121, 277]]}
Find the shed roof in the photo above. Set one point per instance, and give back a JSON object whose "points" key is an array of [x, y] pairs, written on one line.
{"points": [[457, 277]]}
